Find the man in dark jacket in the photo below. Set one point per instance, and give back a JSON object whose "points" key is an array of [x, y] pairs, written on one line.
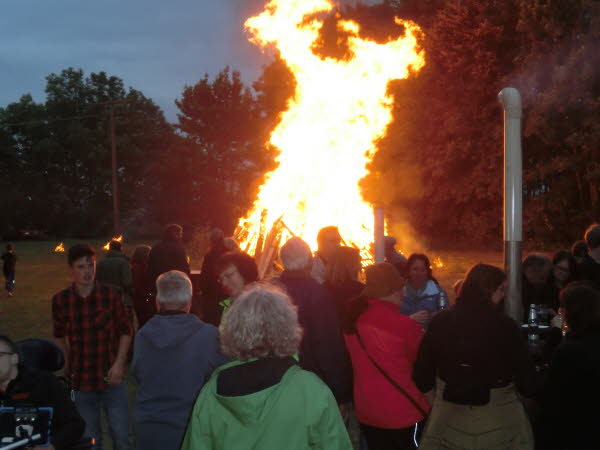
{"points": [[114, 269], [168, 254], [174, 355], [322, 349], [212, 294], [20, 387]]}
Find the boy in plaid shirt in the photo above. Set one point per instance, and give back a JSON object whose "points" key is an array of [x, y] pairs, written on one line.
{"points": [[94, 329]]}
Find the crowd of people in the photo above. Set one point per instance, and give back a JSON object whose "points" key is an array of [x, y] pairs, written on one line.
{"points": [[293, 361]]}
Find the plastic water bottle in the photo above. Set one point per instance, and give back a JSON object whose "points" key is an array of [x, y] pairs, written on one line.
{"points": [[444, 304], [533, 317]]}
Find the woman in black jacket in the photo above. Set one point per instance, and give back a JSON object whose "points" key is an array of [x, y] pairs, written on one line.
{"points": [[474, 361], [569, 399]]}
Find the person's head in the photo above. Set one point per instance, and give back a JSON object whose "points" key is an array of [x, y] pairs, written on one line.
{"points": [[537, 268], [328, 239], [174, 291], [295, 255], [383, 281], [82, 264], [9, 361], [592, 236], [140, 254], [483, 285], [261, 323], [216, 237], [579, 250], [344, 265], [418, 269], [173, 232], [235, 270], [581, 302], [115, 245], [388, 243], [231, 244], [563, 267]]}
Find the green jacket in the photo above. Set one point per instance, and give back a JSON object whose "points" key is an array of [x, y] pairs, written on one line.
{"points": [[114, 269], [299, 412]]}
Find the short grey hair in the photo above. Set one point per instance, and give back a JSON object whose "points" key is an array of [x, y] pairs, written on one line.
{"points": [[174, 287], [295, 254], [262, 322]]}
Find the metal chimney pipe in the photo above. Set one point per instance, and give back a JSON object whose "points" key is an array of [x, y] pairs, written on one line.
{"points": [[513, 200], [379, 231]]}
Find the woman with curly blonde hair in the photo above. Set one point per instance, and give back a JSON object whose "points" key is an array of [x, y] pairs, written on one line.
{"points": [[263, 399]]}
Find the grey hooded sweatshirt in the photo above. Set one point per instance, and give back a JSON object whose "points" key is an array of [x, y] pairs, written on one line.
{"points": [[174, 355]]}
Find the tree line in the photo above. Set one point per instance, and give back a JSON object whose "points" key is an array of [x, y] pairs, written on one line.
{"points": [[438, 169]]}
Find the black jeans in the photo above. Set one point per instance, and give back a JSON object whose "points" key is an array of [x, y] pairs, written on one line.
{"points": [[392, 439]]}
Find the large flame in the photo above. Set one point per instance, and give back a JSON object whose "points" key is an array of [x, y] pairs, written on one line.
{"points": [[326, 136]]}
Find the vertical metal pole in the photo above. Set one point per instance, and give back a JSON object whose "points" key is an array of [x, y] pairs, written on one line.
{"points": [[379, 230], [115, 188], [513, 200]]}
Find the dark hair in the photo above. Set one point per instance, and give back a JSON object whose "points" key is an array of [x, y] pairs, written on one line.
{"points": [[9, 343], [243, 262], [564, 255], [480, 282], [581, 300], [79, 251], [592, 236], [356, 307], [537, 261], [140, 254], [419, 257], [579, 249], [323, 232], [172, 231], [343, 266], [115, 245]]}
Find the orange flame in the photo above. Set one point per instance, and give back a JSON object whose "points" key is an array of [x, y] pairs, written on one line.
{"points": [[118, 239], [59, 248], [327, 135], [437, 262]]}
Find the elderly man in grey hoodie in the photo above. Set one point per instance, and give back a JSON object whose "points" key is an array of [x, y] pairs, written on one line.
{"points": [[174, 355]]}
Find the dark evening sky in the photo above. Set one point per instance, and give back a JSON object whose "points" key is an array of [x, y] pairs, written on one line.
{"points": [[155, 46]]}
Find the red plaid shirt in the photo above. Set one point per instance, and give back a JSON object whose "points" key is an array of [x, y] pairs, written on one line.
{"points": [[93, 327]]}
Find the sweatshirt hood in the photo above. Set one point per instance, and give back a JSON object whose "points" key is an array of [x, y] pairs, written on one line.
{"points": [[165, 331], [256, 407]]}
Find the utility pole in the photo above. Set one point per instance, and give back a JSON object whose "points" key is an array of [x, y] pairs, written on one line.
{"points": [[115, 186], [113, 150]]}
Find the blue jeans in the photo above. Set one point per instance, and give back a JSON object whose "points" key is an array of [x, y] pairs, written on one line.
{"points": [[114, 402]]}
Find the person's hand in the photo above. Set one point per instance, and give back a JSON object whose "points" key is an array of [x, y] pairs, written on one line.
{"points": [[116, 374], [557, 321], [420, 316]]}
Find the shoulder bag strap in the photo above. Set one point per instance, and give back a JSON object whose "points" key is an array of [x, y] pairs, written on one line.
{"points": [[387, 377]]}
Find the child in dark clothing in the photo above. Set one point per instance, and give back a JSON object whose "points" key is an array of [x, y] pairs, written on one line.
{"points": [[8, 268]]}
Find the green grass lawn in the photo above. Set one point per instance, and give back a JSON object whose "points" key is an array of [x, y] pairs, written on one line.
{"points": [[41, 273]]}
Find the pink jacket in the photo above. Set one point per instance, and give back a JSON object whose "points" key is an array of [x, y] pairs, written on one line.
{"points": [[392, 340]]}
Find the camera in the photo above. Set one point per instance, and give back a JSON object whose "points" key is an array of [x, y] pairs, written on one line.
{"points": [[25, 424]]}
